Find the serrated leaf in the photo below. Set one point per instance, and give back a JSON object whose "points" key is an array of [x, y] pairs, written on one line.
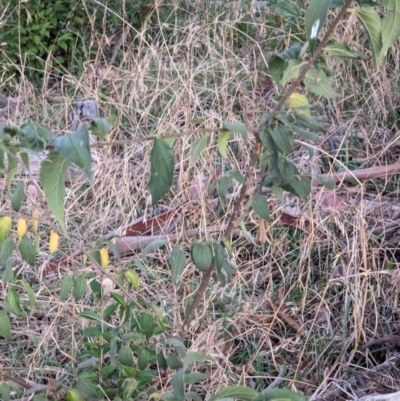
{"points": [[223, 139], [282, 138], [317, 82], [75, 148], [12, 303], [299, 187], [5, 228], [52, 173], [27, 250], [201, 256], [192, 357], [161, 169], [177, 261], [287, 9], [146, 322], [178, 384], [299, 103], [199, 145], [372, 23], [305, 134], [236, 393], [342, 50], [5, 325], [6, 250], [292, 70], [31, 296], [276, 66], [80, 287], [260, 206], [133, 278], [238, 127], [34, 137], [18, 196], [66, 286], [218, 255], [101, 127]]}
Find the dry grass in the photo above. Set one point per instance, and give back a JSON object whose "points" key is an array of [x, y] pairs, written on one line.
{"points": [[338, 279]]}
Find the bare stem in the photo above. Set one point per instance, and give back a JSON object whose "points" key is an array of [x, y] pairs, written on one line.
{"points": [[249, 174]]}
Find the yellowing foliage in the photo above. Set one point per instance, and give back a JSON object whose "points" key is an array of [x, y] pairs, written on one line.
{"points": [[53, 243], [22, 228], [35, 220], [5, 227], [104, 258], [299, 103]]}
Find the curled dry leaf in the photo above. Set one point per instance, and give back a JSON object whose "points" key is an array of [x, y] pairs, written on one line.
{"points": [[262, 232]]}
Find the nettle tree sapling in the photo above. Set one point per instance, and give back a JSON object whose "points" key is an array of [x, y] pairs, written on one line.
{"points": [[291, 122]]}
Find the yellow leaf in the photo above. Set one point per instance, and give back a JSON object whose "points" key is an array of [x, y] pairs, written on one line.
{"points": [[133, 278], [298, 103], [35, 220], [22, 228], [53, 243], [104, 259], [223, 139], [5, 227]]}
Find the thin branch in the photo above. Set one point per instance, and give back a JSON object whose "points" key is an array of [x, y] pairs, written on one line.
{"points": [[249, 174]]}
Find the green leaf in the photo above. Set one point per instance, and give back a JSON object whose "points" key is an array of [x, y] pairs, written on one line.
{"points": [[6, 250], [260, 206], [90, 315], [218, 254], [12, 167], [5, 325], [282, 138], [25, 159], [343, 51], [194, 377], [5, 392], [238, 127], [12, 303], [8, 275], [31, 296], [223, 184], [201, 256], [276, 66], [199, 145], [178, 384], [118, 298], [236, 393], [85, 386], [280, 394], [229, 269], [178, 344], [316, 13], [143, 359], [326, 181], [18, 196], [158, 243], [287, 9], [177, 261], [79, 287], [146, 322], [125, 356], [162, 363], [73, 395], [390, 27], [66, 286], [75, 148], [317, 82], [34, 137], [52, 173], [133, 278], [238, 176], [2, 153], [173, 361], [161, 170], [192, 357], [292, 70], [223, 139], [299, 187], [372, 23], [305, 134], [101, 127], [27, 250]]}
